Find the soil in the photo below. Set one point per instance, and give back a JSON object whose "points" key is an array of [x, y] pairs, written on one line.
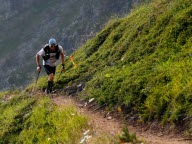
{"points": [[109, 123]]}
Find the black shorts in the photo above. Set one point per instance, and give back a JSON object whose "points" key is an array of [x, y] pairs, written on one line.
{"points": [[49, 69]]}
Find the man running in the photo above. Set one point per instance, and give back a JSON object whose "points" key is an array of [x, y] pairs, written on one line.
{"points": [[50, 54]]}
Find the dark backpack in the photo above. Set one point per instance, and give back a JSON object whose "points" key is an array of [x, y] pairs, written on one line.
{"points": [[48, 51]]}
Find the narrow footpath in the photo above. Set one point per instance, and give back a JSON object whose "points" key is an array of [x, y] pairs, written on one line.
{"points": [[110, 126]]}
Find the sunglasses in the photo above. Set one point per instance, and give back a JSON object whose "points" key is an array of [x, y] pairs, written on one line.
{"points": [[52, 45]]}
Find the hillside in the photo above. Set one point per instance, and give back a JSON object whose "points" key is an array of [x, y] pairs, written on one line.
{"points": [[27, 25], [141, 64]]}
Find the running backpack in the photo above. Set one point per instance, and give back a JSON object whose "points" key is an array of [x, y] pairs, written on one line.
{"points": [[47, 52]]}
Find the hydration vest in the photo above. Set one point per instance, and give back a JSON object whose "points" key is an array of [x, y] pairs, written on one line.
{"points": [[48, 51]]}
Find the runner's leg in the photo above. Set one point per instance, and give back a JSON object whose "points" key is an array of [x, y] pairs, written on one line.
{"points": [[50, 72]]}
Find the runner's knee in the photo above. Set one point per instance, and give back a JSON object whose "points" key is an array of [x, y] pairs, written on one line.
{"points": [[51, 77]]}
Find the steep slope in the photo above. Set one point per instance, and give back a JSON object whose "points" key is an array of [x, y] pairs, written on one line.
{"points": [[27, 25], [141, 64]]}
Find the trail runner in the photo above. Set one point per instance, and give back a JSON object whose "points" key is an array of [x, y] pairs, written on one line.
{"points": [[50, 54]]}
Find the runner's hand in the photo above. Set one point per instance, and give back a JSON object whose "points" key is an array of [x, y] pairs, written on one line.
{"points": [[63, 67], [39, 68]]}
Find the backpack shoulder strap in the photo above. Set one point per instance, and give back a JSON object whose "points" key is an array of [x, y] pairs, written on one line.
{"points": [[46, 48], [57, 52], [47, 52], [56, 48]]}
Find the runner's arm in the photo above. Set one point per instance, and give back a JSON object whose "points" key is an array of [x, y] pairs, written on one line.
{"points": [[37, 59], [62, 57], [40, 53], [62, 54]]}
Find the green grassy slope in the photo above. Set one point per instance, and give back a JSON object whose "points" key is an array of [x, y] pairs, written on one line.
{"points": [[141, 63], [37, 119]]}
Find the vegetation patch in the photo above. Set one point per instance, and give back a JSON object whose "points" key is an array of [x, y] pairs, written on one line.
{"points": [[36, 119]]}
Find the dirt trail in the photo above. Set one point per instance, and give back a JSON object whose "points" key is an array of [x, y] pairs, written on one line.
{"points": [[113, 126]]}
